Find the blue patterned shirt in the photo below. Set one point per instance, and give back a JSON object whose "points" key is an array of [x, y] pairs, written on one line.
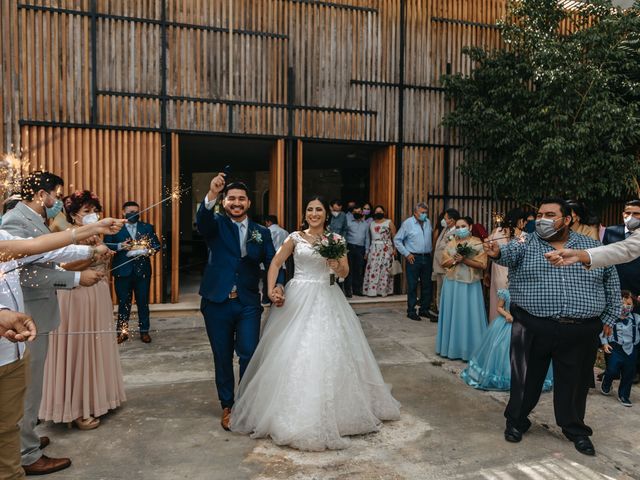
{"points": [[555, 292]]}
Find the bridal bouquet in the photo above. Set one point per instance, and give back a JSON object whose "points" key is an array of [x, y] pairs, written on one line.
{"points": [[333, 247], [466, 250]]}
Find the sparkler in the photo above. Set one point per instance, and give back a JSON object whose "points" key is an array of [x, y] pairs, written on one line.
{"points": [[174, 194], [20, 265]]}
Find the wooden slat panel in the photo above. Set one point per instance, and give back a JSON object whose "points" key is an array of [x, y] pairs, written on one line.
{"points": [[88, 158], [175, 220]]}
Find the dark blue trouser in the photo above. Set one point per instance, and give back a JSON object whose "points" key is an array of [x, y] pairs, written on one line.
{"points": [[620, 363], [125, 288], [230, 326], [419, 271], [353, 282]]}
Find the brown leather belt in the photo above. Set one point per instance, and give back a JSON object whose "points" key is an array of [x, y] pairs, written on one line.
{"points": [[233, 294]]}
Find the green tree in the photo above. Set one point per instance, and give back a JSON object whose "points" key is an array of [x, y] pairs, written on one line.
{"points": [[557, 111]]}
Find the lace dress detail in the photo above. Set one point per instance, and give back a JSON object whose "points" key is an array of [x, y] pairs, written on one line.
{"points": [[313, 379]]}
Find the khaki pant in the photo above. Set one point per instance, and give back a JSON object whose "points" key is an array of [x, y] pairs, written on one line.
{"points": [[13, 384]]}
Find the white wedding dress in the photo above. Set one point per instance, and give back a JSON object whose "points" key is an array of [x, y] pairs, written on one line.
{"points": [[313, 379]]}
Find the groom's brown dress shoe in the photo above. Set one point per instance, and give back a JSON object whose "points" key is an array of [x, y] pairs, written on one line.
{"points": [[45, 465], [226, 419]]}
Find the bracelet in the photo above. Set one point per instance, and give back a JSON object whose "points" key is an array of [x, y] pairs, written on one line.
{"points": [[73, 236]]}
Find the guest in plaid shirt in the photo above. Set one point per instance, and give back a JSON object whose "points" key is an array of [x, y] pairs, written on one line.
{"points": [[558, 315]]}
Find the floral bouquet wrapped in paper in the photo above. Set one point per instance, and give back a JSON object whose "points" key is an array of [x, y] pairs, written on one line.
{"points": [[333, 247]]}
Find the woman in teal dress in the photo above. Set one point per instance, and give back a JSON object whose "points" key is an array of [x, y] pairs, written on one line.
{"points": [[489, 367], [462, 320]]}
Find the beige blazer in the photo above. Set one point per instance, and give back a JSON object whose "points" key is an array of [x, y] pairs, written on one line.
{"points": [[616, 253]]}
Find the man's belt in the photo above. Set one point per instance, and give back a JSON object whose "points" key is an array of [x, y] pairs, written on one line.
{"points": [[420, 254], [560, 320]]}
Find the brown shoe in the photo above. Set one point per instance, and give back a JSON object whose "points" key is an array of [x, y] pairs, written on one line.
{"points": [[145, 338], [226, 419], [46, 465], [44, 442]]}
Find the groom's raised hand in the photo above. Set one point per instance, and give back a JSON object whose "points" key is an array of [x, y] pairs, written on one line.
{"points": [[216, 186]]}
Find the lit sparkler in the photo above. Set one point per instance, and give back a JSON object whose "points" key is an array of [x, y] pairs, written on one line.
{"points": [[174, 194]]}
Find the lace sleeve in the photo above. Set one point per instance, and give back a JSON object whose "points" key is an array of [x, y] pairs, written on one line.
{"points": [[295, 236]]}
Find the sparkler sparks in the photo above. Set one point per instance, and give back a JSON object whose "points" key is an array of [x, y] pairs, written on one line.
{"points": [[12, 168], [174, 194]]}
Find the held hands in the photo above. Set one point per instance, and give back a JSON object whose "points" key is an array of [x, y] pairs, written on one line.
{"points": [[276, 295], [607, 348], [16, 326], [607, 330]]}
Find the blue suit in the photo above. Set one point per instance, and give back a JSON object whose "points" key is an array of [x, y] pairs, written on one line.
{"points": [[232, 323], [134, 276]]}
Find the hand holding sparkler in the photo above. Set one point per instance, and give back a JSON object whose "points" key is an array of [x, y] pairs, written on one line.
{"points": [[567, 256], [106, 226], [217, 185], [16, 326], [491, 248]]}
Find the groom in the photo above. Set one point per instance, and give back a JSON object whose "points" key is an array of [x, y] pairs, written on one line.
{"points": [[230, 295]]}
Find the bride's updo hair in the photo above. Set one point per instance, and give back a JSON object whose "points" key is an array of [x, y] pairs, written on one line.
{"points": [[325, 205]]}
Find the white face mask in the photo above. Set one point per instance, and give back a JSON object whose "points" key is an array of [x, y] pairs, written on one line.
{"points": [[443, 222], [631, 222], [90, 218]]}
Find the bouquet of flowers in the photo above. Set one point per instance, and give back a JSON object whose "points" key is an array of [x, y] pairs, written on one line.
{"points": [[331, 246], [466, 250]]}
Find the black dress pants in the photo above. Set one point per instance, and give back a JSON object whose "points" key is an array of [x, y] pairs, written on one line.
{"points": [[571, 348], [353, 282]]}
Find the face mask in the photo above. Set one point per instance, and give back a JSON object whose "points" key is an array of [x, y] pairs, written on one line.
{"points": [[335, 214], [632, 222], [626, 310], [55, 209], [530, 226], [443, 223], [366, 211], [378, 216], [132, 217], [422, 217], [463, 232], [545, 228], [357, 216], [90, 218]]}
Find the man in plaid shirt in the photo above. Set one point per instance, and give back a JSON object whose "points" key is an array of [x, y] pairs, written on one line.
{"points": [[558, 315]]}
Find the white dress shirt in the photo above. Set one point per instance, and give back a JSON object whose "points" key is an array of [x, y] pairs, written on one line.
{"points": [[11, 293]]}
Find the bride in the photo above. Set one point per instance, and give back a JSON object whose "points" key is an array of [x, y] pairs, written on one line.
{"points": [[313, 379]]}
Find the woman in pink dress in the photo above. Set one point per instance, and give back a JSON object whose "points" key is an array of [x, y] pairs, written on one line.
{"points": [[83, 376], [377, 276], [510, 228]]}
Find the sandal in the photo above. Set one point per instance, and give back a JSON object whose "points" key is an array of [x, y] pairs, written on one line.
{"points": [[85, 423]]}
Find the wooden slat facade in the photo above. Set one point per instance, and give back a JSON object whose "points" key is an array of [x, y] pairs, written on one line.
{"points": [[126, 78], [116, 165]]}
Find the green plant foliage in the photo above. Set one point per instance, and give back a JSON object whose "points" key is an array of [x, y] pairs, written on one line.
{"points": [[558, 110]]}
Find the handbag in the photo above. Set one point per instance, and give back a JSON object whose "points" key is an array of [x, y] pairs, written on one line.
{"points": [[396, 267]]}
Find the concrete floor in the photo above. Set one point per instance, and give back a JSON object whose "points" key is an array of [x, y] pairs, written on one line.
{"points": [[169, 428]]}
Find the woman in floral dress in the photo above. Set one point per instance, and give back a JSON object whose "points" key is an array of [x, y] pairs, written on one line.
{"points": [[377, 276]]}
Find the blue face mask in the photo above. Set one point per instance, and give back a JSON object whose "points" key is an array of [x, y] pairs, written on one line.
{"points": [[55, 209], [462, 232], [530, 226], [422, 217]]}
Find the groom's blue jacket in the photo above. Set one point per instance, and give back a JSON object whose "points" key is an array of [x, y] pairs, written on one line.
{"points": [[225, 266]]}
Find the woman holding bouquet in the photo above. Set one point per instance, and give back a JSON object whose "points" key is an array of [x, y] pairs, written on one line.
{"points": [[462, 321], [313, 379]]}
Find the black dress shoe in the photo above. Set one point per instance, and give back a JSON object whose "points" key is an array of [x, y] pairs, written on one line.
{"points": [[584, 446], [512, 434], [413, 316]]}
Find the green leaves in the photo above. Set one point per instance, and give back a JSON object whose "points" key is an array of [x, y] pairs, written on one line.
{"points": [[558, 111]]}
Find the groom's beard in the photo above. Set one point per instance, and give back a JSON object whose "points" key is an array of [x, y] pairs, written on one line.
{"points": [[236, 215]]}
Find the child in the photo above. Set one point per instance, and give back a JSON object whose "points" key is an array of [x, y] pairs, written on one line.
{"points": [[490, 365], [622, 345]]}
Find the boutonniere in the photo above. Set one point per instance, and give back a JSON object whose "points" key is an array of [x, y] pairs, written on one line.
{"points": [[256, 237]]}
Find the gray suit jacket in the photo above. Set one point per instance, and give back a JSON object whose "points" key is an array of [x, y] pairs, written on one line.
{"points": [[615, 253], [41, 280]]}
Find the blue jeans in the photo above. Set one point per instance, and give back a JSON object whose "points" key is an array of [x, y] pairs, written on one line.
{"points": [[125, 288], [230, 326], [419, 271], [620, 363]]}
